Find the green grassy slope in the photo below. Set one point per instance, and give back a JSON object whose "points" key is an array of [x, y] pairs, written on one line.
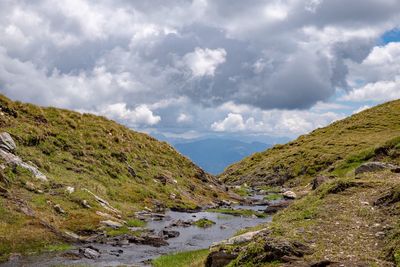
{"points": [[320, 150], [84, 151], [351, 220]]}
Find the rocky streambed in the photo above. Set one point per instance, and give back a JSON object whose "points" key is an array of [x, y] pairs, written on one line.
{"points": [[165, 233]]}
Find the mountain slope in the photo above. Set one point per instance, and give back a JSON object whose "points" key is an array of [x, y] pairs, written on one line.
{"points": [[95, 169], [320, 150], [214, 155], [348, 215]]}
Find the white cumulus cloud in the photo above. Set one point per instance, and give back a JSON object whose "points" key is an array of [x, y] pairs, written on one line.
{"points": [[203, 62], [137, 116]]}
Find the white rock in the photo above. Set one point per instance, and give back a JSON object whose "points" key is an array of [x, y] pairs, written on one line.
{"points": [[69, 189], [289, 194], [237, 239], [112, 224]]}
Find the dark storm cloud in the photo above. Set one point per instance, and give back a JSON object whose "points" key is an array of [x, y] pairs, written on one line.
{"points": [[267, 54]]}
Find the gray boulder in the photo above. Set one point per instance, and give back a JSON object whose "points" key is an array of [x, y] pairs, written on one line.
{"points": [[374, 166], [90, 252], [219, 259], [6, 142]]}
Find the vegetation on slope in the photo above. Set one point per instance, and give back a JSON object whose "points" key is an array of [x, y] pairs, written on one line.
{"points": [[351, 219], [319, 151], [128, 169]]}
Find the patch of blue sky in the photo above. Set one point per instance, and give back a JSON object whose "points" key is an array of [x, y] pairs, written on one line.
{"points": [[390, 36]]}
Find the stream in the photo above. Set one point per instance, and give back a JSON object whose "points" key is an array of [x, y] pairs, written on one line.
{"points": [[190, 238]]}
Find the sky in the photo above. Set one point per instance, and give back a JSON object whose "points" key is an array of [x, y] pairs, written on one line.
{"points": [[191, 69]]}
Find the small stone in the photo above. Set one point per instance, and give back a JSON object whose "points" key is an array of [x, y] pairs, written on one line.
{"points": [[69, 189], [378, 234], [85, 204], [30, 186], [112, 224], [59, 209], [289, 195]]}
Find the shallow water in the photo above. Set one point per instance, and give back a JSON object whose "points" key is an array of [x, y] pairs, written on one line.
{"points": [[190, 238]]}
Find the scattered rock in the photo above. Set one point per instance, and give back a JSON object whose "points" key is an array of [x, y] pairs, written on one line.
{"points": [[169, 234], [151, 240], [243, 238], [376, 166], [275, 207], [104, 203], [30, 186], [7, 147], [59, 209], [144, 214], [277, 250], [116, 252], [72, 236], [164, 178], [90, 252], [317, 181], [132, 171], [112, 224], [289, 195], [185, 209], [85, 204], [110, 217], [219, 259], [7, 143], [181, 223], [69, 189]]}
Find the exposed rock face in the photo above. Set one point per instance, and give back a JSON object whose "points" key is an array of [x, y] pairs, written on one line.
{"points": [[219, 259], [7, 148], [376, 166], [317, 181], [7, 143]]}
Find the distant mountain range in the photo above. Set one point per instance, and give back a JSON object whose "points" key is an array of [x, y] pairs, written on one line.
{"points": [[214, 155]]}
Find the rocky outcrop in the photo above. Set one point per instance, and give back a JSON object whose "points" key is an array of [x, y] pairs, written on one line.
{"points": [[283, 250], [317, 181], [219, 258], [240, 239], [376, 166], [7, 143], [7, 149]]}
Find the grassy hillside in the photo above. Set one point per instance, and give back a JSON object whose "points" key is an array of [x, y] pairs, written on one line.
{"points": [[349, 220], [128, 169], [321, 150]]}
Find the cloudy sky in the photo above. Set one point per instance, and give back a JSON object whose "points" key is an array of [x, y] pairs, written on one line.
{"points": [[197, 68]]}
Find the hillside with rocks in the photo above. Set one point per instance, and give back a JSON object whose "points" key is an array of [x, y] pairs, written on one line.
{"points": [[65, 175], [347, 142], [344, 184]]}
